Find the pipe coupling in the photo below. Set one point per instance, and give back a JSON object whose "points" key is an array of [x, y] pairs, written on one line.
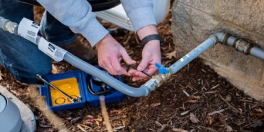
{"points": [[243, 46], [11, 27], [215, 39], [151, 84], [7, 25]]}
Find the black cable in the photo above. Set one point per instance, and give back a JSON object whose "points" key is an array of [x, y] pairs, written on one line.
{"points": [[104, 92]]}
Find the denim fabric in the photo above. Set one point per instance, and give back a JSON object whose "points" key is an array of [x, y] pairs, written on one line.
{"points": [[55, 32], [21, 57]]}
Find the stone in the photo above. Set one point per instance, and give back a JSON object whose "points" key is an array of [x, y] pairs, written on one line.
{"points": [[208, 6], [248, 14], [192, 24]]}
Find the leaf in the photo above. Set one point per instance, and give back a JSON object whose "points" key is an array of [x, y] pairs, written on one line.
{"points": [[193, 118], [154, 105], [171, 55]]}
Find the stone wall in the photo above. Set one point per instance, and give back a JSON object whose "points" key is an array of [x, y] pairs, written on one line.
{"points": [[193, 21]]}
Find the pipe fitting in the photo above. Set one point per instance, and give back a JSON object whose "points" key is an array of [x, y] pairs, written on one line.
{"points": [[7, 25], [215, 39], [11, 27], [239, 44], [151, 84], [3, 22], [220, 37], [161, 78], [243, 46], [157, 81]]}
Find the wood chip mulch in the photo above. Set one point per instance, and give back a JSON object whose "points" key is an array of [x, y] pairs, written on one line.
{"points": [[195, 99]]}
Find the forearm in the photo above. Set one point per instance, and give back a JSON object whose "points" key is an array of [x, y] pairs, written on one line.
{"points": [[140, 13], [78, 15]]}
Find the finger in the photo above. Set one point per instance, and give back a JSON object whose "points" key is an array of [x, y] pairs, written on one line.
{"points": [[151, 70], [109, 67], [137, 78], [132, 72], [127, 58], [140, 74], [117, 66], [144, 63]]}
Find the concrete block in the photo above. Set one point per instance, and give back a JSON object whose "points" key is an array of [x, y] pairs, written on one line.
{"points": [[207, 6], [191, 26], [248, 14]]}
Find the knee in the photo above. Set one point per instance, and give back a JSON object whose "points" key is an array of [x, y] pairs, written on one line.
{"points": [[29, 75]]}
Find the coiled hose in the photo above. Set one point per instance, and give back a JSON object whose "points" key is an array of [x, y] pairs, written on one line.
{"points": [[97, 5]]}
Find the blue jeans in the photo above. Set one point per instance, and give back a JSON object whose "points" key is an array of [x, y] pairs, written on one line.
{"points": [[21, 57]]}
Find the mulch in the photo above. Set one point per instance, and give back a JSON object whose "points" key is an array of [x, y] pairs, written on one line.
{"points": [[194, 99]]}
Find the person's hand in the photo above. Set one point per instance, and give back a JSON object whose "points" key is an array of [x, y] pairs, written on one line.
{"points": [[109, 52], [150, 54]]}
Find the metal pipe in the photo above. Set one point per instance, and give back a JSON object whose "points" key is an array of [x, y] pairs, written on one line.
{"points": [[90, 69], [212, 40], [257, 52], [143, 90], [155, 81], [240, 45]]}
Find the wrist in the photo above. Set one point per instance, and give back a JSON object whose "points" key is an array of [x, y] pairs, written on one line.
{"points": [[106, 39], [148, 30]]}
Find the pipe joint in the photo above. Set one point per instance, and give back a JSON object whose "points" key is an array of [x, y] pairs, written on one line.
{"points": [[151, 84], [11, 27], [161, 78], [215, 39], [220, 37], [157, 81], [7, 25], [243, 46]]}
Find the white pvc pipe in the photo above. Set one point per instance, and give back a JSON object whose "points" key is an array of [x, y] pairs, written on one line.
{"points": [[117, 15]]}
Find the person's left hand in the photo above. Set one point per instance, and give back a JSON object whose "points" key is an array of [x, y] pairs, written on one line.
{"points": [[150, 55]]}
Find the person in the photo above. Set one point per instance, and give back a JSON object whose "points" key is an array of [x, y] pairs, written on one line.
{"points": [[61, 20]]}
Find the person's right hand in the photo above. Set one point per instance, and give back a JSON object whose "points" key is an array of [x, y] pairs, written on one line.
{"points": [[109, 52]]}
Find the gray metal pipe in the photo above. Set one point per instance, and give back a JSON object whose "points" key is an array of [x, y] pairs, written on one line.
{"points": [[257, 52], [211, 41], [143, 90], [156, 81], [240, 45], [88, 68]]}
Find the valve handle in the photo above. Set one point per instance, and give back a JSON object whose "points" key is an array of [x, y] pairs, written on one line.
{"points": [[162, 69]]}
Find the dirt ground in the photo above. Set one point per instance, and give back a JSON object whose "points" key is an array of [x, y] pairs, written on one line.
{"points": [[194, 99]]}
